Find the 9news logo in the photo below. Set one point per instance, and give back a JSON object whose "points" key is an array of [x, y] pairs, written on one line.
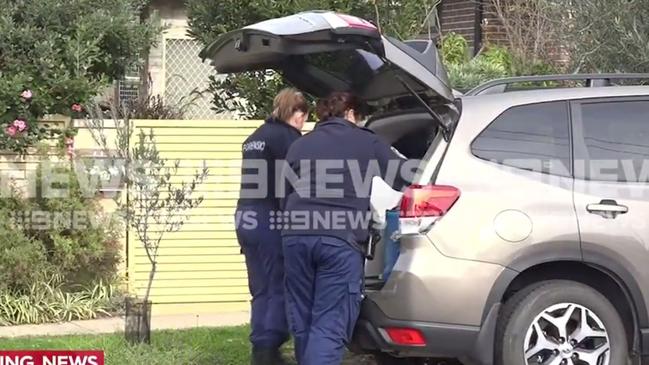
{"points": [[51, 357]]}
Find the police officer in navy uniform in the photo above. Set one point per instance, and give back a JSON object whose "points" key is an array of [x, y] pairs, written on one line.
{"points": [[328, 224], [261, 245]]}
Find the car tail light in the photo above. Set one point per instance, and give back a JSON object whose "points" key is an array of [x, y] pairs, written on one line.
{"points": [[406, 336], [428, 200]]}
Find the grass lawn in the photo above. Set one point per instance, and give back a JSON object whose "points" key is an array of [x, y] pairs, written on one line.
{"points": [[200, 346]]}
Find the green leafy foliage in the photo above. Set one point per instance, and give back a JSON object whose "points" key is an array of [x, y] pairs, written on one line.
{"points": [[455, 49], [23, 260], [60, 272], [465, 72], [247, 94], [250, 94], [63, 52], [48, 302], [606, 35], [499, 56], [492, 63], [67, 236], [466, 76], [577, 36], [19, 126]]}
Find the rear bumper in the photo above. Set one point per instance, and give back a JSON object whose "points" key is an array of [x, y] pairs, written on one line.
{"points": [[442, 340]]}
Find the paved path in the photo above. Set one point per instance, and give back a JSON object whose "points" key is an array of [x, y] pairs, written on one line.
{"points": [[116, 324]]}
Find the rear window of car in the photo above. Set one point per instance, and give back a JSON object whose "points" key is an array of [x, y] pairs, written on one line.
{"points": [[357, 66], [534, 137]]}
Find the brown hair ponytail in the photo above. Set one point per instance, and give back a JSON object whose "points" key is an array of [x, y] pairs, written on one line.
{"points": [[337, 103], [287, 102]]}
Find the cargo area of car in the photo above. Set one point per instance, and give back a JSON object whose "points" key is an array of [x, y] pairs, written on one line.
{"points": [[409, 132], [412, 133]]}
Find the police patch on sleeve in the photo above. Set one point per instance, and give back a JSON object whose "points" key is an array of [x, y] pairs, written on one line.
{"points": [[254, 146]]}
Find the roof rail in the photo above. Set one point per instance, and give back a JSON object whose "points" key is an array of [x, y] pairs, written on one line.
{"points": [[499, 86]]}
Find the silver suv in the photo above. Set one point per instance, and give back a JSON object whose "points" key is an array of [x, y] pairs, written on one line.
{"points": [[525, 240]]}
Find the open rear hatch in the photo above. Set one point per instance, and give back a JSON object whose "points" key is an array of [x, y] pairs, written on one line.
{"points": [[320, 52]]}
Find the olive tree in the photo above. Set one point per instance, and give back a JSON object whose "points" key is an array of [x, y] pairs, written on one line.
{"points": [[607, 35], [585, 35], [154, 203]]}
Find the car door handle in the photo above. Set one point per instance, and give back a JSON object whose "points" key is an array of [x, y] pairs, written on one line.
{"points": [[607, 208]]}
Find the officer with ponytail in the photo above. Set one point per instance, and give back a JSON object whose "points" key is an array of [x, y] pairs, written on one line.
{"points": [[260, 243], [328, 225]]}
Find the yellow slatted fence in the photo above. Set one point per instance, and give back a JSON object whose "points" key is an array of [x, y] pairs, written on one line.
{"points": [[200, 267]]}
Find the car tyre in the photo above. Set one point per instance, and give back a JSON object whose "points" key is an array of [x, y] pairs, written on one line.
{"points": [[530, 317]]}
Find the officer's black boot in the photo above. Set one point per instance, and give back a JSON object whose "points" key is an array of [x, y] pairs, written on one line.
{"points": [[279, 359], [267, 356]]}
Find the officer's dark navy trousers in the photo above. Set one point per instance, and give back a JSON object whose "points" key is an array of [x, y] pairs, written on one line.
{"points": [[323, 296], [262, 248]]}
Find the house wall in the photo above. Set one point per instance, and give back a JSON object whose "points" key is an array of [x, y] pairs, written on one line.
{"points": [[475, 20], [492, 27], [173, 18], [459, 16], [175, 71]]}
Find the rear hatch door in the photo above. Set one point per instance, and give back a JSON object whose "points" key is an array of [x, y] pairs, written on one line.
{"points": [[320, 52]]}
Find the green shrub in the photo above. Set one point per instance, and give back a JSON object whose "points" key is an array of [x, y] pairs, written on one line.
{"points": [[498, 56], [48, 302], [81, 250], [466, 76], [492, 63], [22, 259], [455, 49], [89, 251], [63, 52]]}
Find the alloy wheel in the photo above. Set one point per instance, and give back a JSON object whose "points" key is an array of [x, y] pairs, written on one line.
{"points": [[567, 334]]}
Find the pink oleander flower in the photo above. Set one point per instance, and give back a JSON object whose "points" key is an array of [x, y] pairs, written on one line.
{"points": [[69, 141], [11, 131], [20, 124], [77, 108], [27, 95]]}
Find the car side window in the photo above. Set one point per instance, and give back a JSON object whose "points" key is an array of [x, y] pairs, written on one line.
{"points": [[615, 140], [534, 137]]}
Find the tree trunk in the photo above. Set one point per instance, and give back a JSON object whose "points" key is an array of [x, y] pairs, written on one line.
{"points": [[151, 276]]}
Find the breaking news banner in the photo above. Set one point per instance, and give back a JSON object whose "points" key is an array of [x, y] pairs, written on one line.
{"points": [[45, 357]]}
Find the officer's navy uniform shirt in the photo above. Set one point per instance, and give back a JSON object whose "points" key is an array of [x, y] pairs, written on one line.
{"points": [[336, 139], [269, 143]]}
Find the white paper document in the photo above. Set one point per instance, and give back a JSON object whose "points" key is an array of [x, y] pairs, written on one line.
{"points": [[382, 198]]}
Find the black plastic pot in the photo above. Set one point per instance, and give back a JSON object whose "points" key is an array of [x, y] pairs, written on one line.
{"points": [[138, 321]]}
